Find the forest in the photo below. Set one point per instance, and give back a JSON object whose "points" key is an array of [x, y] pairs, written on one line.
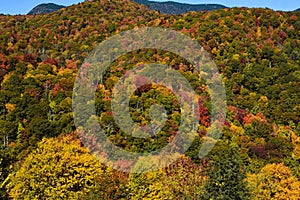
{"points": [[257, 53]]}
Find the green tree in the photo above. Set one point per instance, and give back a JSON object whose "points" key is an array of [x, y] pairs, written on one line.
{"points": [[226, 176]]}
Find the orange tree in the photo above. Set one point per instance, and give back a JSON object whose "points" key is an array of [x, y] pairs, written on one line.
{"points": [[274, 181]]}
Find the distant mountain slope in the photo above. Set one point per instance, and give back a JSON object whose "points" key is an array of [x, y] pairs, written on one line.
{"points": [[171, 7], [297, 10], [45, 8]]}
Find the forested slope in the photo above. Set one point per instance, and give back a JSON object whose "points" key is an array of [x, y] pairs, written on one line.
{"points": [[257, 52]]}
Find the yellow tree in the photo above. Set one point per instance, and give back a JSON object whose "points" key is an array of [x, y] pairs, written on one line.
{"points": [[58, 169], [181, 180], [274, 181]]}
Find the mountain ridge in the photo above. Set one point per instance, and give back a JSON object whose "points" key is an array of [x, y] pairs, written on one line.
{"points": [[45, 8], [167, 7], [171, 7]]}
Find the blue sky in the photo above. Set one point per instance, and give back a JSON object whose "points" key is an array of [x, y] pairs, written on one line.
{"points": [[24, 6]]}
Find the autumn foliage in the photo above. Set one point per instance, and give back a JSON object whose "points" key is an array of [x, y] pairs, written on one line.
{"points": [[256, 51]]}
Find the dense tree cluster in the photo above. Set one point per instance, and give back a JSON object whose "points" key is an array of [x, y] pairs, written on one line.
{"points": [[256, 52]]}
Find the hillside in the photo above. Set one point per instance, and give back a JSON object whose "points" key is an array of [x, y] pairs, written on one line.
{"points": [[256, 52], [45, 8], [171, 7]]}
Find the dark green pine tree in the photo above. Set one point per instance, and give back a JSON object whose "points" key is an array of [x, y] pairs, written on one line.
{"points": [[226, 176]]}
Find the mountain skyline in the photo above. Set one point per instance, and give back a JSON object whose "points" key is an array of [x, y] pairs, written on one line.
{"points": [[45, 8], [163, 7], [170, 7], [15, 7]]}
